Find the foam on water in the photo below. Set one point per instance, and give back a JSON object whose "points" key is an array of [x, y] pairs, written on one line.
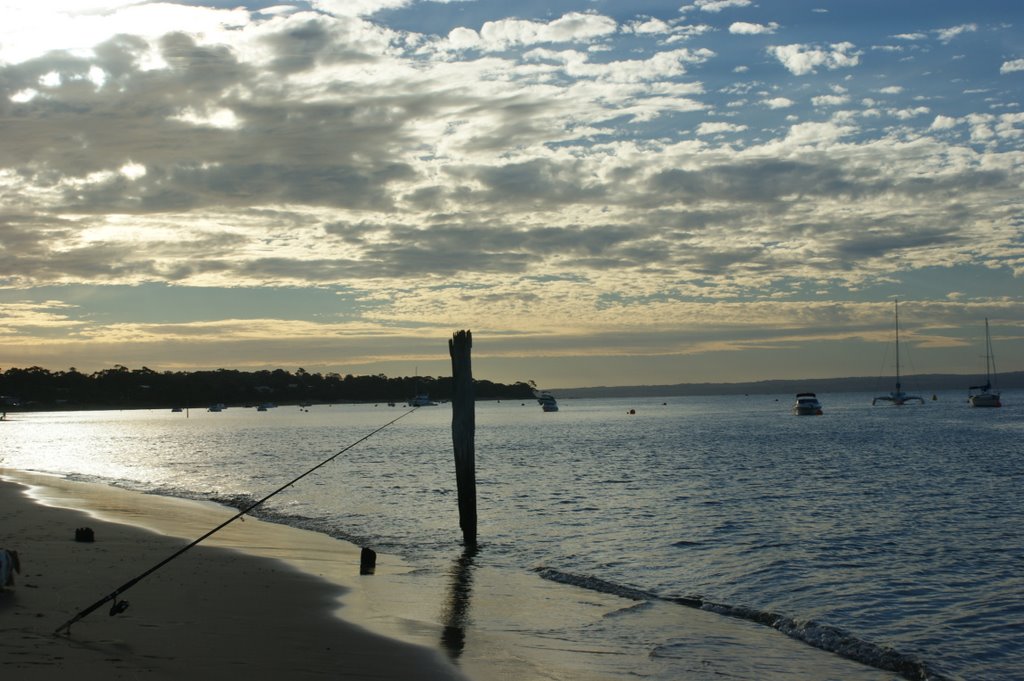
{"points": [[824, 637]]}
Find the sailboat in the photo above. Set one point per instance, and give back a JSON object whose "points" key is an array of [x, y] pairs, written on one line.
{"points": [[898, 397], [985, 397]]}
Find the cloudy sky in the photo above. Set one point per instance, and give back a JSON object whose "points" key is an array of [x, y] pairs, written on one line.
{"points": [[604, 192]]}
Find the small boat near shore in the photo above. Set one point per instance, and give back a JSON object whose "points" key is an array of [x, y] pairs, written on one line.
{"points": [[984, 395], [807, 404], [547, 402]]}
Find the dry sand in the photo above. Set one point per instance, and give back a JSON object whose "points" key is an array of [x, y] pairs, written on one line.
{"points": [[214, 613]]}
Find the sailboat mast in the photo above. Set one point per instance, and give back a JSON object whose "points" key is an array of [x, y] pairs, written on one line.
{"points": [[897, 304], [990, 360]]}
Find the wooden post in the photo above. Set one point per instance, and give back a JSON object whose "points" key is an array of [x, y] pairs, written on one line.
{"points": [[367, 561], [463, 432]]}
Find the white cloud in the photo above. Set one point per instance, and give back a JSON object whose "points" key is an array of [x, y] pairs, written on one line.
{"points": [[357, 8], [1010, 126], [716, 127], [987, 128], [649, 26], [891, 90], [745, 28], [26, 95], [1012, 66], [947, 34], [943, 123], [981, 127], [715, 5], [222, 118], [133, 171], [673, 33], [690, 30], [830, 100], [29, 29], [572, 27], [660, 65], [910, 36], [817, 133], [906, 114], [803, 59], [278, 10], [778, 103], [461, 38]]}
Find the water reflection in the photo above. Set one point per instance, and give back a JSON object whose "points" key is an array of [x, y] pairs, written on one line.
{"points": [[456, 613]]}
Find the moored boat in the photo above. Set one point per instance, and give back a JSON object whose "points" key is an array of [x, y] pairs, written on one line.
{"points": [[898, 397], [547, 402], [422, 400], [984, 395], [807, 404]]}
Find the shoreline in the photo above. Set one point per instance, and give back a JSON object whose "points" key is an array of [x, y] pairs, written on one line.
{"points": [[469, 621], [214, 611]]}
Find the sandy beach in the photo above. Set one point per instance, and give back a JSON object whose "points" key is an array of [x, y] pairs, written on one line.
{"points": [[260, 600], [214, 613]]}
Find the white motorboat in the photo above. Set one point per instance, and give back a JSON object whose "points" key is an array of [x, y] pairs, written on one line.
{"points": [[807, 404], [547, 402]]}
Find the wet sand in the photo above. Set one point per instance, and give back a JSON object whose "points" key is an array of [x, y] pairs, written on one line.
{"points": [[213, 613]]}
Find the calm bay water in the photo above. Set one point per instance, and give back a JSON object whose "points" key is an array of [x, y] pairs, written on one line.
{"points": [[863, 529]]}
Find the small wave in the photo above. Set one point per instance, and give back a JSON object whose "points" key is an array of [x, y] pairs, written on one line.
{"points": [[595, 584], [822, 636], [835, 640], [237, 501]]}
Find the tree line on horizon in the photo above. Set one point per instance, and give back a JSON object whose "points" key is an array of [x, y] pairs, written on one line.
{"points": [[121, 387]]}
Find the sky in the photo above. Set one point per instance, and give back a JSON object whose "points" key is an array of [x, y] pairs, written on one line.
{"points": [[604, 193]]}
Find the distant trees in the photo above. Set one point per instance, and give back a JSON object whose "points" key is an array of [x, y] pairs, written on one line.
{"points": [[121, 387]]}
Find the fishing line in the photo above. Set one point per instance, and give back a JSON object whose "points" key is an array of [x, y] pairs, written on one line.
{"points": [[120, 606]]}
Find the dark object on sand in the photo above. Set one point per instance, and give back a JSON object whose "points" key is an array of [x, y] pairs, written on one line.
{"points": [[9, 564], [84, 534], [367, 561]]}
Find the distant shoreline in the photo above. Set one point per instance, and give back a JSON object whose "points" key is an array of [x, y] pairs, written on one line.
{"points": [[918, 382]]}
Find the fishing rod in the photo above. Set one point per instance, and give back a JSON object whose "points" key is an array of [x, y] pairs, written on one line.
{"points": [[120, 606]]}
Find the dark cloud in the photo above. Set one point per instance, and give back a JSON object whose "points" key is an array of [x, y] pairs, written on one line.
{"points": [[850, 248], [308, 40], [535, 184], [760, 181], [299, 46]]}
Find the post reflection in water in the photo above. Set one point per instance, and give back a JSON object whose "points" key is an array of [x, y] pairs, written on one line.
{"points": [[456, 613]]}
